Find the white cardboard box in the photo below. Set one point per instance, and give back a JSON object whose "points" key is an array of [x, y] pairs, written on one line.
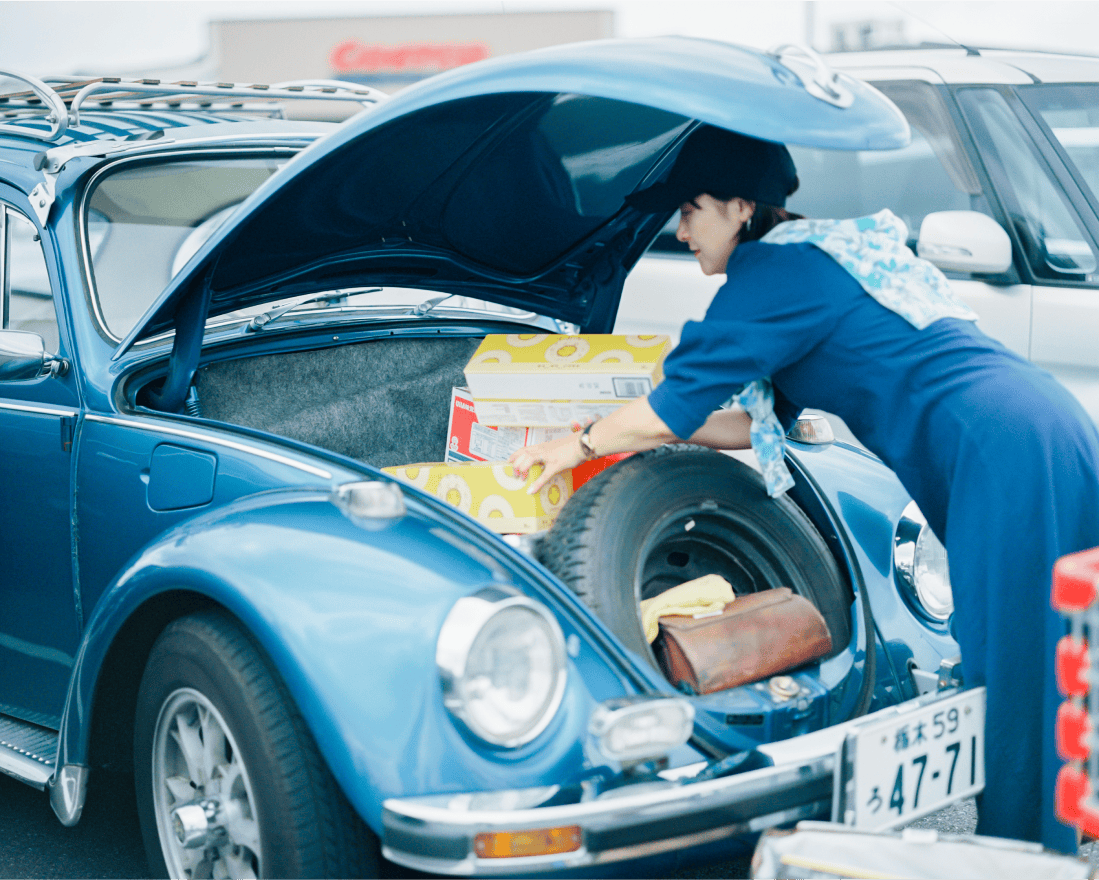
{"points": [[547, 380]]}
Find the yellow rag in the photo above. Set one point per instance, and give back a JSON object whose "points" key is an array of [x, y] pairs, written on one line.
{"points": [[708, 594]]}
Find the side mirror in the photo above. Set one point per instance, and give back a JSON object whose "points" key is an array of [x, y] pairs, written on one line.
{"points": [[23, 357], [964, 241]]}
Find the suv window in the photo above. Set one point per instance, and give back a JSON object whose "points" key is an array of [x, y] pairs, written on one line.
{"points": [[932, 173], [1052, 237], [1071, 111], [27, 298]]}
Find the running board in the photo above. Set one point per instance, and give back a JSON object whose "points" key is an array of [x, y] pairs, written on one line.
{"points": [[27, 752]]}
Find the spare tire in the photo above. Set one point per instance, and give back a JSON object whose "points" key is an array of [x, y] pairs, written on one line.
{"points": [[663, 517]]}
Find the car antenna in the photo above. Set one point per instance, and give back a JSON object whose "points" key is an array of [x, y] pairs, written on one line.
{"points": [[969, 50]]}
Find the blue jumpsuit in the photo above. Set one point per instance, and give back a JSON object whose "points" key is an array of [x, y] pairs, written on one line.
{"points": [[1000, 458]]}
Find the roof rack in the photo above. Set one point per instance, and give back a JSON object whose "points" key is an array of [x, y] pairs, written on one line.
{"points": [[59, 100]]}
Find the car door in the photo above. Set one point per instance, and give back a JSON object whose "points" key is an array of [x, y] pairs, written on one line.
{"points": [[1051, 214], [39, 623]]}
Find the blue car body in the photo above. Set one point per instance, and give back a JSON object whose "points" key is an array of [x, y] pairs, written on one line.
{"points": [[121, 516]]}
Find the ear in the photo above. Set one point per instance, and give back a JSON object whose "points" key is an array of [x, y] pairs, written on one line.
{"points": [[744, 209]]}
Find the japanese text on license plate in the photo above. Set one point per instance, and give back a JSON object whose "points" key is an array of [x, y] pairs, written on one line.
{"points": [[914, 763]]}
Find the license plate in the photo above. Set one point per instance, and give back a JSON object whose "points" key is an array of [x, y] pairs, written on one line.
{"points": [[914, 763]]}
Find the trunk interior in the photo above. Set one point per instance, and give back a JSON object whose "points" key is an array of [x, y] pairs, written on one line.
{"points": [[385, 401]]}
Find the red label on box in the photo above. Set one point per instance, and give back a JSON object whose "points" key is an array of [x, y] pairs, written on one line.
{"points": [[469, 440]]}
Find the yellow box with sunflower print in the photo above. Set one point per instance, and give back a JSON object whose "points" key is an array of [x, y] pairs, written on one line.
{"points": [[492, 493], [546, 380]]}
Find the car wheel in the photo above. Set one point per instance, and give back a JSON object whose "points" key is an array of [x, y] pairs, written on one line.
{"points": [[229, 780], [676, 513]]}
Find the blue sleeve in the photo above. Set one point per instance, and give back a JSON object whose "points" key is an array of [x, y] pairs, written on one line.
{"points": [[775, 306], [786, 410]]}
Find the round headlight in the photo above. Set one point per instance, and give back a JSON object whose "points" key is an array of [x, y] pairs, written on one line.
{"points": [[922, 566], [501, 661]]}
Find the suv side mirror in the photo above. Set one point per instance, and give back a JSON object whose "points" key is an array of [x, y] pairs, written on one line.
{"points": [[23, 357], [964, 241]]}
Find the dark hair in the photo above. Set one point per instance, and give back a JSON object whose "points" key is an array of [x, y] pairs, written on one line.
{"points": [[764, 219]]}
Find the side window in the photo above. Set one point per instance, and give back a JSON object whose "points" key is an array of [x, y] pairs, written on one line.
{"points": [[932, 173], [27, 298], [1053, 239]]}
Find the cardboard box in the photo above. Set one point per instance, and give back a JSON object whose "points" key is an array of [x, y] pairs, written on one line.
{"points": [[547, 380], [469, 440], [492, 493]]}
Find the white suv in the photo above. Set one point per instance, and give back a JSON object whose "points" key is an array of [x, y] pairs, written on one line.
{"points": [[998, 188]]}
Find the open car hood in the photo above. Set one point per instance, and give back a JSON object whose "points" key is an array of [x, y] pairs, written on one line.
{"points": [[505, 179]]}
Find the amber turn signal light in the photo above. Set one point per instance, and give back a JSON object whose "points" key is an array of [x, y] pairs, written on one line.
{"points": [[533, 842]]}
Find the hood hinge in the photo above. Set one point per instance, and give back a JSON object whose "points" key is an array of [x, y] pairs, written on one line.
{"points": [[42, 198]]}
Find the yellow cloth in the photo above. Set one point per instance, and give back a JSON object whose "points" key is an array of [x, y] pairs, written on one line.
{"points": [[708, 594]]}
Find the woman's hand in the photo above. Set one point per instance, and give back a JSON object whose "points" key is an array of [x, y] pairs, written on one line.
{"points": [[554, 455], [631, 428]]}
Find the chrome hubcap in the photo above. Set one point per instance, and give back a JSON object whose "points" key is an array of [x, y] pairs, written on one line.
{"points": [[202, 794]]}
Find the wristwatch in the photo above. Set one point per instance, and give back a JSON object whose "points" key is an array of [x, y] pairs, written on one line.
{"points": [[585, 442]]}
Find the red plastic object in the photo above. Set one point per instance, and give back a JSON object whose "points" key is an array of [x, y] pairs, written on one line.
{"points": [[1071, 732], [1068, 797], [588, 469], [1075, 580], [1088, 822], [1072, 667], [1072, 802]]}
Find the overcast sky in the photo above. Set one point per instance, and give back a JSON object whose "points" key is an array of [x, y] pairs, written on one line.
{"points": [[58, 36]]}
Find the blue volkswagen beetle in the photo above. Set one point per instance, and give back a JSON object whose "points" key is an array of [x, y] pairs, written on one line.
{"points": [[219, 326]]}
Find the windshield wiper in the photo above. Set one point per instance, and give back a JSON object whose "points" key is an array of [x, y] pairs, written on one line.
{"points": [[260, 322], [428, 304]]}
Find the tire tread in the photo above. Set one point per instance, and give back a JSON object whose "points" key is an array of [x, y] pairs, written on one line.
{"points": [[584, 534], [335, 842]]}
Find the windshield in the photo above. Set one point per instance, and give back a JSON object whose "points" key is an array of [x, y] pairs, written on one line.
{"points": [[1072, 114], [143, 222]]}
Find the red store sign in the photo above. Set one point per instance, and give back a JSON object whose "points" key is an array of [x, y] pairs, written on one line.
{"points": [[351, 56]]}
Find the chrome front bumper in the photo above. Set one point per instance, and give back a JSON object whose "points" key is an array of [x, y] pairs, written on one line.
{"points": [[438, 834]]}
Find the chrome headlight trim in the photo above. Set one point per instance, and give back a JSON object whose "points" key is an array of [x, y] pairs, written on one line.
{"points": [[920, 562], [470, 619]]}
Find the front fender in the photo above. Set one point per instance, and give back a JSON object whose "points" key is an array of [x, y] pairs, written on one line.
{"points": [[860, 501], [349, 619]]}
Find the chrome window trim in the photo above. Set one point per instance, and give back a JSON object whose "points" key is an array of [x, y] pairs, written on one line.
{"points": [[4, 270], [217, 441], [60, 412], [111, 167]]}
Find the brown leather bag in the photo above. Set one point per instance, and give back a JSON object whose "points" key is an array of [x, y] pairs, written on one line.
{"points": [[758, 635]]}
